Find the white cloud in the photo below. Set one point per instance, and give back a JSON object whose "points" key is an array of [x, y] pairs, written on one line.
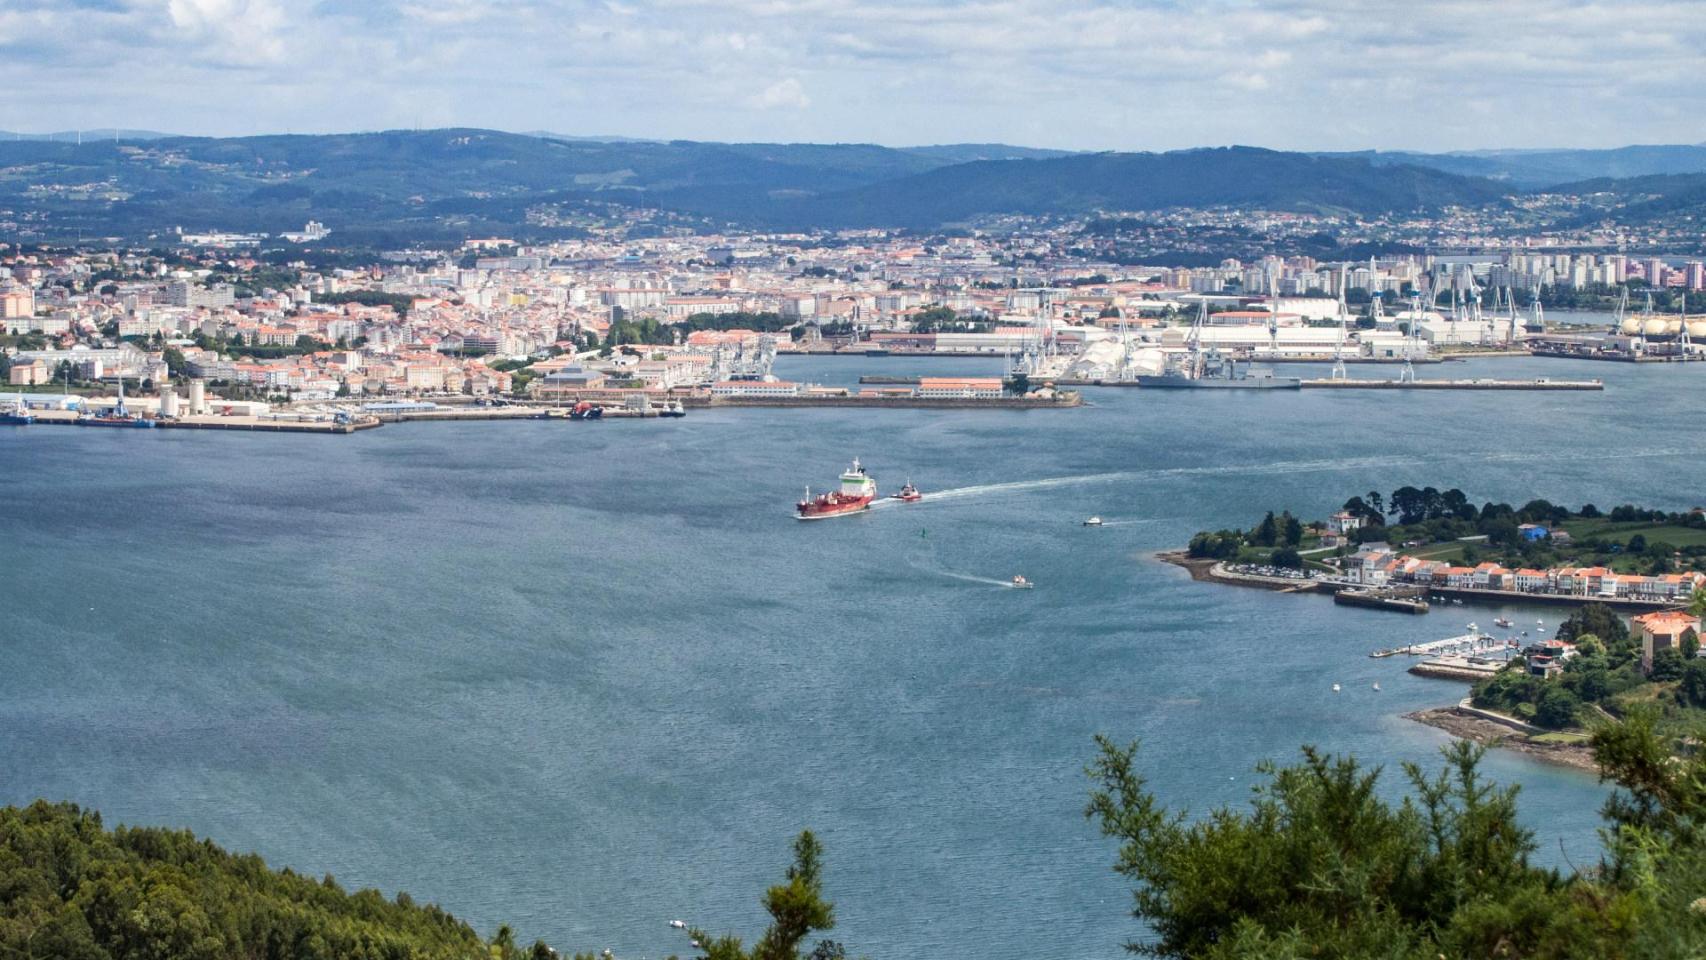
{"points": [[1131, 74], [783, 94]]}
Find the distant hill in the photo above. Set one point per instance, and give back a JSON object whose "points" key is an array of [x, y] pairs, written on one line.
{"points": [[439, 186], [1546, 168], [72, 136], [1670, 199], [969, 152], [1084, 183], [403, 185]]}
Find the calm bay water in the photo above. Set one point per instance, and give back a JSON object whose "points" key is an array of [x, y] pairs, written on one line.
{"points": [[587, 678]]}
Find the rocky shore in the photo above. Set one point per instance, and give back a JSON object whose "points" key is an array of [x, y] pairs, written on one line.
{"points": [[1491, 734]]}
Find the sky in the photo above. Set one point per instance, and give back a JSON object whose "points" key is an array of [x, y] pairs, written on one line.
{"points": [[1078, 74]]}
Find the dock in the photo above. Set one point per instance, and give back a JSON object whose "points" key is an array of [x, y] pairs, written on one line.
{"points": [[1380, 600], [268, 424], [1458, 668], [1062, 400], [1478, 384], [1473, 644]]}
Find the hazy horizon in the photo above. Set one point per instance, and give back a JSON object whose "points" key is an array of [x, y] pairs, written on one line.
{"points": [[99, 133], [1072, 74]]}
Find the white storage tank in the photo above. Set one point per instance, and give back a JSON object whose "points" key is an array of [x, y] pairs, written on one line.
{"points": [[198, 397], [168, 402]]}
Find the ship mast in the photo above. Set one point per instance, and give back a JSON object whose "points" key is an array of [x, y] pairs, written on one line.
{"points": [[1408, 374], [1339, 348]]}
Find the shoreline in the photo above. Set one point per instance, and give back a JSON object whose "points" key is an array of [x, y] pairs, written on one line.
{"points": [[1202, 570], [1451, 719], [1491, 734]]}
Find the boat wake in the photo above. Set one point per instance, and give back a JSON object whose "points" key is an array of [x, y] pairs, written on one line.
{"points": [[969, 578], [983, 490], [918, 563]]}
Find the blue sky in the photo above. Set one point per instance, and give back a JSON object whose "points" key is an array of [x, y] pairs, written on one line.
{"points": [[1087, 74]]}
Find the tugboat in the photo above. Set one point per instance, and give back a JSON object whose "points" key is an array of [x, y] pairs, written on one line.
{"points": [[1020, 583], [673, 409], [586, 411], [856, 493], [17, 413], [907, 494]]}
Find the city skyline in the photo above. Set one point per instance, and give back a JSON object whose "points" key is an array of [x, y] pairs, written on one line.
{"points": [[1086, 74]]}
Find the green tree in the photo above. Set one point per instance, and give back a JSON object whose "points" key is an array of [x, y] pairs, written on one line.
{"points": [[1692, 689], [1556, 707], [1322, 866], [1267, 533], [1667, 665], [1291, 530], [1597, 619], [797, 909]]}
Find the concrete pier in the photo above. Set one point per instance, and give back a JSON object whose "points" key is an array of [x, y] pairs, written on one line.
{"points": [[1540, 384]]}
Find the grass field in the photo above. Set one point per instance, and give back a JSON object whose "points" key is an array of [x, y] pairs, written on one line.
{"points": [[1621, 532]]}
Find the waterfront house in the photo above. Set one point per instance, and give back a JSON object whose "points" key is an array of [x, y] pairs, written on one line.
{"points": [[1664, 630], [1532, 581], [1343, 523], [1369, 565], [1459, 578], [1593, 581]]}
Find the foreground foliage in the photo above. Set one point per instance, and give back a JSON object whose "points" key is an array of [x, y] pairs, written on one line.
{"points": [[1323, 865], [797, 909], [69, 888]]}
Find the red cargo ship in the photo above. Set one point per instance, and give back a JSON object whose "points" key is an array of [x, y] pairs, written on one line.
{"points": [[856, 493]]}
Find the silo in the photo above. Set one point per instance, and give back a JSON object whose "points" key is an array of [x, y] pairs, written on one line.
{"points": [[198, 397], [168, 402]]}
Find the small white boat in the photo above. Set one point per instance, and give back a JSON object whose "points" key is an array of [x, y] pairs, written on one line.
{"points": [[1377, 686], [1020, 583], [1335, 688], [1093, 522], [678, 924], [1502, 622]]}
